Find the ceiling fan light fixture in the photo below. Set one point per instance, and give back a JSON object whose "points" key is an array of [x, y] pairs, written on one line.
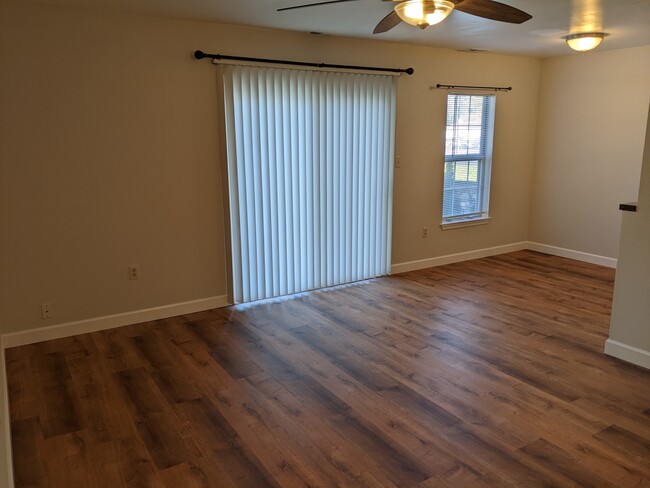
{"points": [[585, 41], [423, 13]]}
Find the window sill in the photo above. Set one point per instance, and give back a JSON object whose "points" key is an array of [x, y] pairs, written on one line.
{"points": [[464, 223]]}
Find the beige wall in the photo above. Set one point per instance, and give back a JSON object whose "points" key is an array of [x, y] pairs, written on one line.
{"points": [[630, 324], [592, 120], [420, 144], [109, 155], [107, 143]]}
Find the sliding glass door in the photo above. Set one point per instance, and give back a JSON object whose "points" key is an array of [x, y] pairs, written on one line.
{"points": [[309, 178]]}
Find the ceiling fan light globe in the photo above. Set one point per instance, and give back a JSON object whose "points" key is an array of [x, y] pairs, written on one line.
{"points": [[414, 10], [424, 13], [436, 17]]}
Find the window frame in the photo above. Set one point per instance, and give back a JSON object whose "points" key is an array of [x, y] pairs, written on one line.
{"points": [[483, 159]]}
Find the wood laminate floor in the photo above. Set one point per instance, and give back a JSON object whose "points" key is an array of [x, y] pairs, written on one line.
{"points": [[482, 373]]}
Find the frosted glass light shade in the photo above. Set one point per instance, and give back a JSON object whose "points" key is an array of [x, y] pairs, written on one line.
{"points": [[424, 13], [584, 41]]}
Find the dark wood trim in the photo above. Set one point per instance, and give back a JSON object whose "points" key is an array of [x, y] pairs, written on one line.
{"points": [[628, 207]]}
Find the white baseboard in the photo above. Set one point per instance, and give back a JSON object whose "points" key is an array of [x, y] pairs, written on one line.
{"points": [[108, 322], [111, 321], [631, 354], [6, 463], [457, 258], [493, 251], [571, 254]]}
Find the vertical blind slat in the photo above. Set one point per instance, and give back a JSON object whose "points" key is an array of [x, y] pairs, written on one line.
{"points": [[310, 178]]}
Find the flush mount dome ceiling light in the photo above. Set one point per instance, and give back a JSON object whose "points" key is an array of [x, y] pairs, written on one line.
{"points": [[424, 13], [584, 41]]}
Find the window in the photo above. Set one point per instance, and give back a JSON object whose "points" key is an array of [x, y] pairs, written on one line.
{"points": [[468, 155]]}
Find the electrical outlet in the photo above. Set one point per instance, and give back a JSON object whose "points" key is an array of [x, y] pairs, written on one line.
{"points": [[398, 162], [46, 310], [134, 272], [425, 232]]}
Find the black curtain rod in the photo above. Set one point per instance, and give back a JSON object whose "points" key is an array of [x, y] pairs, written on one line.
{"points": [[495, 88], [201, 55]]}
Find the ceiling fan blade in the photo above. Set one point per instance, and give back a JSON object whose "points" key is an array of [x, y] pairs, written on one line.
{"points": [[387, 23], [490, 9], [314, 4]]}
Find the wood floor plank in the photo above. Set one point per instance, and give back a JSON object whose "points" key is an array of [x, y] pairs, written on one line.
{"points": [[628, 442], [124, 462], [562, 467], [337, 460], [27, 445], [64, 457], [59, 412], [25, 404], [217, 439], [487, 373]]}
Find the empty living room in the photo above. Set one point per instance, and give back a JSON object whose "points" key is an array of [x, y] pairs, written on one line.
{"points": [[350, 243]]}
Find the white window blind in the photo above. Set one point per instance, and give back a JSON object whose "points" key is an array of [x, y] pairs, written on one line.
{"points": [[468, 155], [310, 178]]}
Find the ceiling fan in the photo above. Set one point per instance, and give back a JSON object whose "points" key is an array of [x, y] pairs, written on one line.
{"points": [[423, 13]]}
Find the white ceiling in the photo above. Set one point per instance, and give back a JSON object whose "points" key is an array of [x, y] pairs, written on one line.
{"points": [[626, 21]]}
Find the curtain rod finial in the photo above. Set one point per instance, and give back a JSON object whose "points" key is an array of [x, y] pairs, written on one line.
{"points": [[199, 54], [409, 71]]}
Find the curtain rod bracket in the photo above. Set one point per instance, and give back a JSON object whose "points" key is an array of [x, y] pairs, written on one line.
{"points": [[201, 55], [468, 87]]}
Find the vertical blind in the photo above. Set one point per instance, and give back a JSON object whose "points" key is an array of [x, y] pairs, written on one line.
{"points": [[470, 120], [310, 178]]}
